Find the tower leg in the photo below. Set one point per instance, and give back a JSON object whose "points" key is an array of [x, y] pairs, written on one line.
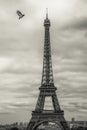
{"points": [[55, 103], [40, 103], [30, 125]]}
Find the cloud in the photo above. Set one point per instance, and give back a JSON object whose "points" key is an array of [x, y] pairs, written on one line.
{"points": [[21, 53], [77, 24]]}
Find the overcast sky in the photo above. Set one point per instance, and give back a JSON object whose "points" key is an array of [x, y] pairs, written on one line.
{"points": [[21, 53]]}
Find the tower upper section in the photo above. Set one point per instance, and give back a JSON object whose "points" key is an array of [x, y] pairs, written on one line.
{"points": [[47, 21], [47, 74]]}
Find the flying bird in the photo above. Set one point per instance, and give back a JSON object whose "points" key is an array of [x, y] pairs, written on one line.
{"points": [[20, 14]]}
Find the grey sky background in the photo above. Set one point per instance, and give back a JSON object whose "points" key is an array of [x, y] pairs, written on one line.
{"points": [[21, 53]]}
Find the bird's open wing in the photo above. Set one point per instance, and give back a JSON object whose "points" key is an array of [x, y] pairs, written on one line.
{"points": [[19, 13]]}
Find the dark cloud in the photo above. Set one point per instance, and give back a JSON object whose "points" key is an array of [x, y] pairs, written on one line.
{"points": [[77, 24]]}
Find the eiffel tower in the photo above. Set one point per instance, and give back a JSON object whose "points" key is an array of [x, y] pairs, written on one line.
{"points": [[47, 89]]}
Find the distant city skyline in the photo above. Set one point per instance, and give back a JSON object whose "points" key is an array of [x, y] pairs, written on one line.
{"points": [[21, 54]]}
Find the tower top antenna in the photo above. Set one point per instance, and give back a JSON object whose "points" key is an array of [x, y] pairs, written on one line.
{"points": [[47, 13]]}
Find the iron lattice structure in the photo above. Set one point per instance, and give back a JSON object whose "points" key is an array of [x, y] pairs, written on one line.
{"points": [[47, 89]]}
